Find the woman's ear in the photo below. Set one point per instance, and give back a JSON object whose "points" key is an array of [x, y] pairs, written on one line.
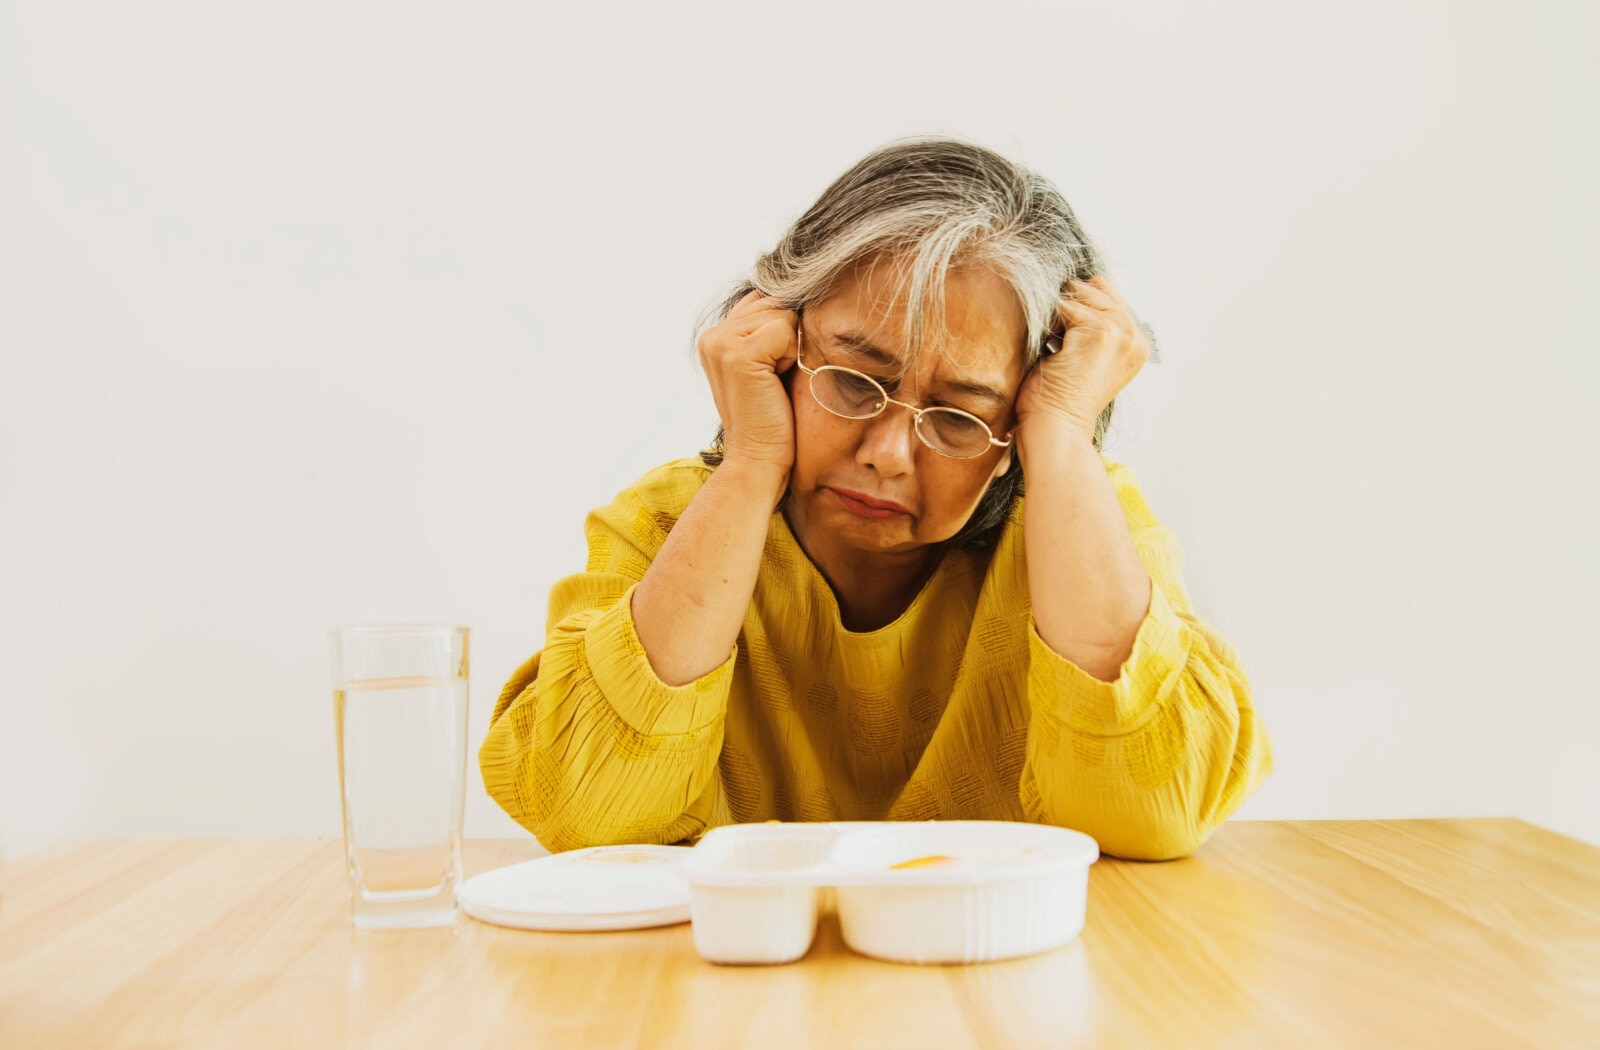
{"points": [[1005, 462]]}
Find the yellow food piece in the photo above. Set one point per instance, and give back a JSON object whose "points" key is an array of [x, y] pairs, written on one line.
{"points": [[922, 862]]}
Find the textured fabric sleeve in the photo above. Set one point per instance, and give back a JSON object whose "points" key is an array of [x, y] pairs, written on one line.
{"points": [[586, 746], [1151, 763]]}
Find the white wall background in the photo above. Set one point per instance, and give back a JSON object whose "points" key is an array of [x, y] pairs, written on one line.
{"points": [[315, 312]]}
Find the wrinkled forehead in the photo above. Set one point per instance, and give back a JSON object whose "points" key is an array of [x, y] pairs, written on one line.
{"points": [[976, 328]]}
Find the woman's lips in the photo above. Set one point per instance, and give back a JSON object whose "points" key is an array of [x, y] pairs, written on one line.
{"points": [[861, 504]]}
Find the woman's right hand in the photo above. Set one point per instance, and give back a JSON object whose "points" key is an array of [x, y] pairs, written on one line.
{"points": [[744, 358]]}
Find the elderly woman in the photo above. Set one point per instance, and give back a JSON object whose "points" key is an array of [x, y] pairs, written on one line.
{"points": [[847, 610]]}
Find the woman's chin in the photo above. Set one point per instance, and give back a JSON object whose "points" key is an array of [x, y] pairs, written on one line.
{"points": [[873, 534]]}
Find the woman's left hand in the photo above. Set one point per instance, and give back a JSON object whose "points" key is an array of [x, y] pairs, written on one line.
{"points": [[1103, 350]]}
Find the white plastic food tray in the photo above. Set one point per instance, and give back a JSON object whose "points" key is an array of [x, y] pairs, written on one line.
{"points": [[997, 889]]}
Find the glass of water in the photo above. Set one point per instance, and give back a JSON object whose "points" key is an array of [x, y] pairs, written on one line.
{"points": [[400, 722]]}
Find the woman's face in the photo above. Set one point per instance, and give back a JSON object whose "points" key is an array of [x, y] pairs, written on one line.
{"points": [[871, 484]]}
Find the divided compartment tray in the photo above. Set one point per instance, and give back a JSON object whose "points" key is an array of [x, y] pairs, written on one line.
{"points": [[984, 890]]}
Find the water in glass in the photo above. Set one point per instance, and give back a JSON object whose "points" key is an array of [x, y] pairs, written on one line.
{"points": [[402, 749]]}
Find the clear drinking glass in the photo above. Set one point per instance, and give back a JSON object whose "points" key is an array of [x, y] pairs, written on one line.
{"points": [[400, 722]]}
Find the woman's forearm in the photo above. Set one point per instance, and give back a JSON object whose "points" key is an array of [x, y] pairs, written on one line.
{"points": [[1089, 589], [691, 603]]}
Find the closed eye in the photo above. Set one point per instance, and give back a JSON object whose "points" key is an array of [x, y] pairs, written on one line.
{"points": [[969, 410], [856, 384]]}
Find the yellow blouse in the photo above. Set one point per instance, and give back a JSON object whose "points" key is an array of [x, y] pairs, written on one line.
{"points": [[956, 710]]}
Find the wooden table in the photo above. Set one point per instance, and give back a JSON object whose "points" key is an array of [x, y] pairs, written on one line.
{"points": [[1453, 933]]}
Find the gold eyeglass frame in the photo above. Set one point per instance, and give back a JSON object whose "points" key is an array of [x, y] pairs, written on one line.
{"points": [[886, 401]]}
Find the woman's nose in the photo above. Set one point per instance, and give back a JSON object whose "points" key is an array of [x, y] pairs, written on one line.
{"points": [[889, 443]]}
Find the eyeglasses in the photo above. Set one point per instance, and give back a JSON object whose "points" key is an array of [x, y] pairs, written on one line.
{"points": [[851, 395]]}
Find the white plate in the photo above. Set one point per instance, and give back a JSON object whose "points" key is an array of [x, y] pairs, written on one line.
{"points": [[602, 888]]}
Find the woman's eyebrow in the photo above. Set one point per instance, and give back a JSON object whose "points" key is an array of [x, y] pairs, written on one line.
{"points": [[879, 356], [860, 344]]}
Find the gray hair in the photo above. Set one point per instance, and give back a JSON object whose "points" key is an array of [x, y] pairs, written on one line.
{"points": [[932, 205]]}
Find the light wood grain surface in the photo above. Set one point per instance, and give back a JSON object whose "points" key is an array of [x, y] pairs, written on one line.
{"points": [[1451, 933]]}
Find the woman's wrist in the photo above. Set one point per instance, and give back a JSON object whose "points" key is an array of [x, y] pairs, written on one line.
{"points": [[1046, 433], [762, 480]]}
